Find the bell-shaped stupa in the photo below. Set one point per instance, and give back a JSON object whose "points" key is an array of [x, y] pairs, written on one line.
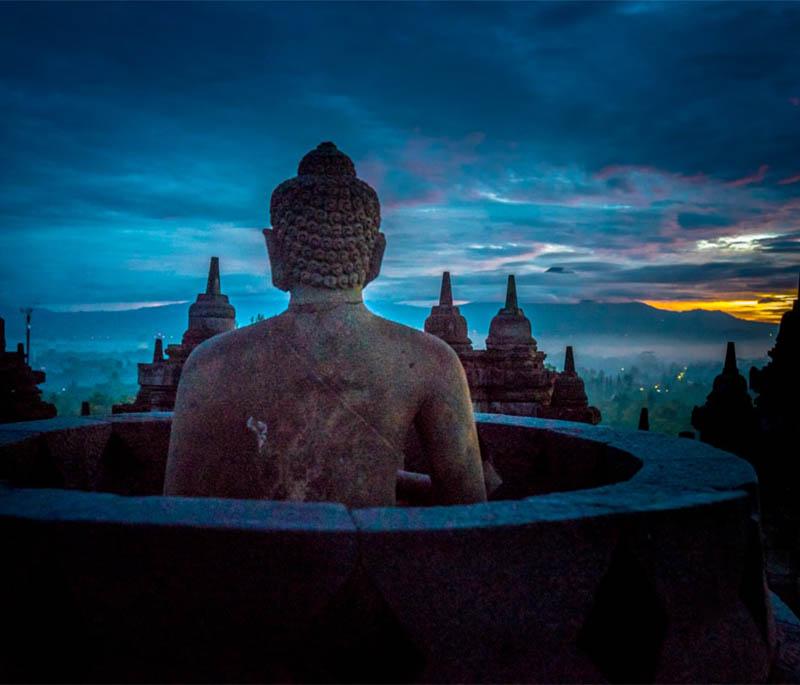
{"points": [[510, 328], [210, 315], [727, 419], [509, 376], [569, 401], [445, 320]]}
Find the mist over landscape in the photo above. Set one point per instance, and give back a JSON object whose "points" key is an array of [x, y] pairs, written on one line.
{"points": [[629, 354]]}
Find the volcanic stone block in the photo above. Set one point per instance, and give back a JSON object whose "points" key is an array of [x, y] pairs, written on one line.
{"points": [[61, 452], [697, 560], [136, 455], [658, 577], [488, 599], [157, 589], [625, 629]]}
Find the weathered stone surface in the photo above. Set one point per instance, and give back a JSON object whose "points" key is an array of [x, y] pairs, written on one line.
{"points": [[163, 589], [60, 452], [327, 223], [568, 401], [509, 376], [655, 575], [135, 457], [315, 404], [446, 322], [509, 596]]}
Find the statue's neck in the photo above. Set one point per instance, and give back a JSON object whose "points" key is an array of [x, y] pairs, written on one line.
{"points": [[307, 297]]}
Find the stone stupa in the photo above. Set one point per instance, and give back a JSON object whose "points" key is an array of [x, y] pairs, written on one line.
{"points": [[445, 320], [727, 419], [209, 315], [569, 401], [509, 376], [20, 396]]}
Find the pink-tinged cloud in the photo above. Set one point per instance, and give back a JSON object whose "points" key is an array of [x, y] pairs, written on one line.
{"points": [[432, 196], [752, 178], [795, 101], [439, 160], [614, 170], [789, 181]]}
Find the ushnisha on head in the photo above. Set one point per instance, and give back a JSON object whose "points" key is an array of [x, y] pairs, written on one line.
{"points": [[325, 226]]}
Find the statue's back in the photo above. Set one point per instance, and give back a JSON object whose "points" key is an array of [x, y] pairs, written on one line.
{"points": [[316, 404]]}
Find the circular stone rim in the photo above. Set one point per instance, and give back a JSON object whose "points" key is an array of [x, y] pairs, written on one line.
{"points": [[676, 473]]}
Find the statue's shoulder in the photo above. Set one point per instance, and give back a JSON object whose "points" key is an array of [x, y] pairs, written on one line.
{"points": [[232, 352], [427, 346]]}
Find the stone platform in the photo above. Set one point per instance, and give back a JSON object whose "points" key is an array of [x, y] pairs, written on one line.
{"points": [[617, 557]]}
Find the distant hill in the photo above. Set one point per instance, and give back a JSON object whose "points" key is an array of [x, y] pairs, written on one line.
{"points": [[132, 324], [561, 321], [631, 319]]}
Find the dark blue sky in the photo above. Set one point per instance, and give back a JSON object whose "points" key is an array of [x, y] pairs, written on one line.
{"points": [[609, 151]]}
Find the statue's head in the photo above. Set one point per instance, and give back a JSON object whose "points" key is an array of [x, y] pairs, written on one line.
{"points": [[325, 226]]}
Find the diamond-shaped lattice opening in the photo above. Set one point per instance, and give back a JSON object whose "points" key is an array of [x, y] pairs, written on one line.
{"points": [[358, 639], [626, 625]]}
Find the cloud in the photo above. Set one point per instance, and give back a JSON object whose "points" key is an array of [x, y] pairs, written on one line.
{"points": [[559, 270], [694, 220], [609, 140], [757, 177]]}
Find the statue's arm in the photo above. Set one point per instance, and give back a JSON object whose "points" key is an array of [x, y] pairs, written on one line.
{"points": [[448, 435], [186, 472]]}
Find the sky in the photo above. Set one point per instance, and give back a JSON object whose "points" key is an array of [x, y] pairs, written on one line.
{"points": [[615, 152]]}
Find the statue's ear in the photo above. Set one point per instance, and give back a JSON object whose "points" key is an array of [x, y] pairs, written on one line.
{"points": [[276, 264], [376, 259]]}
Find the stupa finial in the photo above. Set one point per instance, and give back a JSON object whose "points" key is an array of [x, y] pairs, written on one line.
{"points": [[730, 359], [213, 285], [569, 360], [511, 293], [446, 293], [158, 351]]}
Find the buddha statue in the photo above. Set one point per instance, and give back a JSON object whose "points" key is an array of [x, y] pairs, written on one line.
{"points": [[315, 404]]}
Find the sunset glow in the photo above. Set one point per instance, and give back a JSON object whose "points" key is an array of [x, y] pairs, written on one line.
{"points": [[767, 308]]}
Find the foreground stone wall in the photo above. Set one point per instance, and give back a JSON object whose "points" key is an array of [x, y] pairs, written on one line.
{"points": [[653, 574]]}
